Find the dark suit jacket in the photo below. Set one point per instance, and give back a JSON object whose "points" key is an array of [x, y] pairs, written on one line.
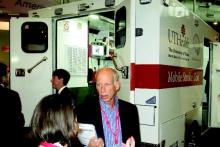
{"points": [[12, 116], [90, 113], [68, 95], [12, 101]]}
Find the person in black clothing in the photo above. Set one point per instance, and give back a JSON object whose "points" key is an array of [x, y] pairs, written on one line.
{"points": [[13, 117], [90, 77], [206, 77], [60, 78]]}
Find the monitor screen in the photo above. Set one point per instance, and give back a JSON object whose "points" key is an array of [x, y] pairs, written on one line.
{"points": [[97, 50]]}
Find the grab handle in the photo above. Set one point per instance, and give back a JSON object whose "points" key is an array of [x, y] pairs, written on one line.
{"points": [[39, 62], [123, 69]]}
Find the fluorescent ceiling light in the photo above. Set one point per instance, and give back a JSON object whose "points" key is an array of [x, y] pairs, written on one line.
{"points": [[215, 22], [4, 25]]}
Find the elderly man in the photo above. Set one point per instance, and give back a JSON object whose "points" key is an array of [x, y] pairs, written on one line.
{"points": [[115, 120]]}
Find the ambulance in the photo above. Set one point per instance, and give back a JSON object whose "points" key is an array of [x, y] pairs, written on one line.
{"points": [[159, 47]]}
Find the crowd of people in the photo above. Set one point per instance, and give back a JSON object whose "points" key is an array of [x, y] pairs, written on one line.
{"points": [[55, 120]]}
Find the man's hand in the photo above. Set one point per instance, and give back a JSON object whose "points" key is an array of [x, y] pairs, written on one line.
{"points": [[130, 142], [96, 142]]}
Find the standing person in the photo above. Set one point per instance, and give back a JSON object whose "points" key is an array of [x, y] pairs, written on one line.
{"points": [[60, 78], [54, 123], [14, 118], [115, 120]]}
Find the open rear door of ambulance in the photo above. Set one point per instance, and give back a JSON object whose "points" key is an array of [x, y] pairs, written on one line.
{"points": [[125, 46], [214, 86], [30, 61]]}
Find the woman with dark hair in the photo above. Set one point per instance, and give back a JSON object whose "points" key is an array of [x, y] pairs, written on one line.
{"points": [[53, 122]]}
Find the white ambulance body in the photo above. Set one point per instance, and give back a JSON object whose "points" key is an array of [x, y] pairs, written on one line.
{"points": [[157, 48]]}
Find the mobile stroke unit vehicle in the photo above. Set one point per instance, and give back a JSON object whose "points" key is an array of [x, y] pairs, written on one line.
{"points": [[157, 46]]}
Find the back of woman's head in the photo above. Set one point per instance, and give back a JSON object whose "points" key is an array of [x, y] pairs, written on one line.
{"points": [[54, 120]]}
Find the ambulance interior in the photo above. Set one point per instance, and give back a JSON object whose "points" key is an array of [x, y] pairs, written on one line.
{"points": [[100, 46], [101, 39]]}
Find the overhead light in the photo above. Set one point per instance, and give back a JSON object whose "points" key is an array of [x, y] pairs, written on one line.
{"points": [[215, 22], [94, 17], [4, 25]]}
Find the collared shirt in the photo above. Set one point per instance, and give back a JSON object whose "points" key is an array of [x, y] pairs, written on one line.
{"points": [[60, 90], [111, 115]]}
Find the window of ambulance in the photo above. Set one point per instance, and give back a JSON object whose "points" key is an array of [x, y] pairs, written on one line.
{"points": [[120, 28], [34, 37]]}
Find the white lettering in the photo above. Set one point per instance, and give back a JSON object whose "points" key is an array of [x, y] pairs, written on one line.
{"points": [[174, 76]]}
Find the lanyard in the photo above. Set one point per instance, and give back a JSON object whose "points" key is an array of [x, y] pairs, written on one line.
{"points": [[116, 133]]}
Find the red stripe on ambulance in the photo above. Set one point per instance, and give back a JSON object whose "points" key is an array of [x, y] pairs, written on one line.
{"points": [[156, 76]]}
